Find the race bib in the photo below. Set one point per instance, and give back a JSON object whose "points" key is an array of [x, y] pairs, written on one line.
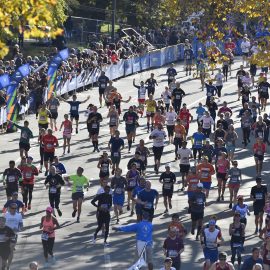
{"points": [[53, 190], [53, 107], [236, 245], [11, 178], [177, 96], [49, 146], [118, 190], [148, 205], [206, 125], [143, 158], [104, 168], [102, 85], [167, 185], [258, 196], [74, 108], [199, 201], [42, 118], [24, 135], [104, 206], [205, 174], [116, 154], [94, 125], [79, 189], [172, 253], [132, 183], [28, 174], [260, 134], [171, 77], [44, 236]]}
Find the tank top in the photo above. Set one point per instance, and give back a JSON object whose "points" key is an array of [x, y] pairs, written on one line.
{"points": [[113, 119], [222, 165], [133, 175], [218, 267], [230, 139], [104, 166], [241, 211], [48, 227], [43, 117], [236, 238], [67, 127]]}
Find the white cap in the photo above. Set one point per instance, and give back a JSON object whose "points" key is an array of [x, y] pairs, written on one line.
{"points": [[200, 185]]}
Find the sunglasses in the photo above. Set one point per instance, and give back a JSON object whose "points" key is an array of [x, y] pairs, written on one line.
{"points": [[222, 259]]}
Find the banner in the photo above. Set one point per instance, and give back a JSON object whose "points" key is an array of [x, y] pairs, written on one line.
{"points": [[12, 99], [155, 58], [4, 81], [52, 71], [128, 66], [136, 64], [145, 61]]}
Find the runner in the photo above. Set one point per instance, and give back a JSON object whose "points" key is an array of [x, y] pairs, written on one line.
{"points": [[246, 125], [151, 83], [196, 206], [185, 117], [50, 142], [131, 119], [254, 261], [219, 77], [230, 139], [60, 168], [28, 171], [170, 123], [67, 124], [166, 97], [14, 199], [43, 115], [116, 144], [245, 47], [53, 183], [113, 116], [185, 154], [265, 253], [200, 111], [139, 163], [171, 73], [145, 153], [168, 180], [132, 178], [26, 135], [235, 179], [207, 122], [119, 185], [259, 149], [211, 238], [11, 178], [150, 112], [158, 135], [188, 57], [103, 81], [78, 181], [212, 107], [222, 263], [237, 233], [177, 96], [48, 226], [178, 226], [103, 203], [211, 91], [239, 76], [205, 170], [258, 194], [104, 165], [53, 104], [192, 182], [141, 94], [168, 264], [263, 90], [93, 125], [74, 109], [197, 140]]}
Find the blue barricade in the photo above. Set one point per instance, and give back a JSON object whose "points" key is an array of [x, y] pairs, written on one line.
{"points": [[155, 58], [145, 61], [180, 51], [170, 54], [162, 57], [136, 64], [128, 66]]}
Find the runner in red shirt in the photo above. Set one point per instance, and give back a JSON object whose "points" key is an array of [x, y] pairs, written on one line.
{"points": [[28, 171], [230, 45], [67, 124], [50, 142], [185, 117], [259, 148]]}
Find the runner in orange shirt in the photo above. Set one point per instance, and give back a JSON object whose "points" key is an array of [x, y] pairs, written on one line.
{"points": [[192, 180], [159, 119], [205, 170], [179, 136], [177, 224]]}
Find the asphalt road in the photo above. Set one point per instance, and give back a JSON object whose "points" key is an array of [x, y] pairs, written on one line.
{"points": [[72, 248]]}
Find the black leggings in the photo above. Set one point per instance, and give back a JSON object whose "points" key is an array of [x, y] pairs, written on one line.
{"points": [[167, 106], [27, 190], [103, 218], [199, 151], [177, 143], [219, 87], [225, 72], [54, 199], [236, 251], [177, 106], [48, 247], [246, 134], [41, 153]]}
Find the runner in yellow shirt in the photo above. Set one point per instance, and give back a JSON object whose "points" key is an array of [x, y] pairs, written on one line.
{"points": [[43, 117], [150, 112]]}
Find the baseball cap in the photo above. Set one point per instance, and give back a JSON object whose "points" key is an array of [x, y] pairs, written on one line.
{"points": [[30, 158], [240, 197], [167, 165], [212, 222], [258, 179], [49, 209], [200, 185], [15, 193], [207, 140], [168, 259]]}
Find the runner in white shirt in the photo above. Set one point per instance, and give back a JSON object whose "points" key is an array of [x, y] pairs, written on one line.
{"points": [[207, 122], [166, 96], [219, 82], [255, 48], [171, 116], [245, 47], [158, 135], [13, 221], [185, 154]]}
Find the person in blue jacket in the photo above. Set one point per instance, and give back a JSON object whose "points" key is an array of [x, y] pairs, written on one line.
{"points": [[144, 237], [252, 260]]}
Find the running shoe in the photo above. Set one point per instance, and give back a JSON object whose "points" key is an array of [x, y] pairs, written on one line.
{"points": [[78, 219], [29, 207], [74, 213], [53, 260], [59, 212], [93, 240], [106, 244]]}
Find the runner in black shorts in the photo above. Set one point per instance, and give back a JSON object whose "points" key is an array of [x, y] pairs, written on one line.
{"points": [[103, 81]]}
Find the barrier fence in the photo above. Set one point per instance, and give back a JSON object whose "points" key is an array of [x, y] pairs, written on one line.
{"points": [[124, 67]]}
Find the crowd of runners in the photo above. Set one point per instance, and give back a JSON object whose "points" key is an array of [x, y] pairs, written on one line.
{"points": [[206, 157]]}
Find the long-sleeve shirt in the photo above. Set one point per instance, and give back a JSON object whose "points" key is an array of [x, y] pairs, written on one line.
{"points": [[103, 200]]}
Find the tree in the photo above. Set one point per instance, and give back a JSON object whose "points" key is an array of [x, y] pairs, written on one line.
{"points": [[33, 18]]}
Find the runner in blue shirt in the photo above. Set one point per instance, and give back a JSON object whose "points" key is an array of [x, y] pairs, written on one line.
{"points": [[198, 139], [135, 193]]}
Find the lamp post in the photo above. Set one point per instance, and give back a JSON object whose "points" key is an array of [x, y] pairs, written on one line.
{"points": [[113, 18]]}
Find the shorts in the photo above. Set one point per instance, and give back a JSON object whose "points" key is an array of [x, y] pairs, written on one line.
{"points": [[77, 195], [115, 160], [188, 62], [141, 101], [104, 175], [118, 199], [239, 84], [101, 91], [112, 125], [148, 251], [230, 148], [108, 103], [222, 176], [28, 187], [150, 114], [184, 168], [54, 115], [196, 216], [48, 156], [245, 54], [158, 151], [4, 251], [207, 185], [259, 157], [151, 91], [234, 185], [177, 141], [67, 135], [93, 131], [210, 254], [24, 146], [167, 193], [130, 129], [45, 126], [258, 208], [74, 116], [170, 130], [9, 191], [190, 194], [264, 95]]}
